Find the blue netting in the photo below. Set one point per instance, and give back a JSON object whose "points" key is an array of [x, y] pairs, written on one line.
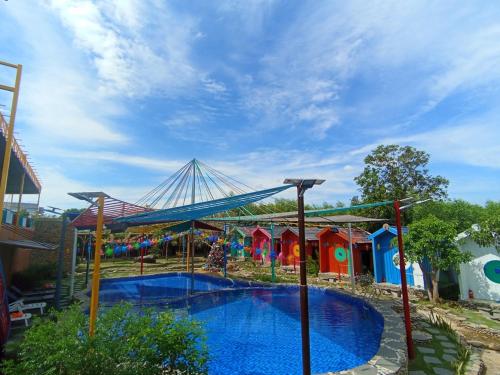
{"points": [[200, 210]]}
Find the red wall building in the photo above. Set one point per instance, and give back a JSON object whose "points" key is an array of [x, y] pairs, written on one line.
{"points": [[290, 245], [261, 244], [334, 251]]}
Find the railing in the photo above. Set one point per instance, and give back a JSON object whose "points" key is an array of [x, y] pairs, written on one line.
{"points": [[9, 217], [20, 154]]}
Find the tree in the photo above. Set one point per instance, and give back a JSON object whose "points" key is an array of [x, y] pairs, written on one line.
{"points": [[394, 172], [433, 240], [488, 231], [458, 212]]}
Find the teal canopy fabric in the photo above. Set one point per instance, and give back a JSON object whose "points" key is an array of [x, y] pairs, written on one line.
{"points": [[199, 210]]}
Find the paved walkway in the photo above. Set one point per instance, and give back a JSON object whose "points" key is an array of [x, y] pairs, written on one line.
{"points": [[435, 353]]}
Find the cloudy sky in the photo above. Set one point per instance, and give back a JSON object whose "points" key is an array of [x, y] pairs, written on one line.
{"points": [[117, 95]]}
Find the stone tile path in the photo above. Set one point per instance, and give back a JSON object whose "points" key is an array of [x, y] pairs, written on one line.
{"points": [[434, 357]]}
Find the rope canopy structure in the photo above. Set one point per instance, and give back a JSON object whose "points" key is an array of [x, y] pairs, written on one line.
{"points": [[195, 182], [199, 210]]}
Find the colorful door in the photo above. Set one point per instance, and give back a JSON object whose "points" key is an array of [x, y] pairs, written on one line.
{"points": [[392, 272]]}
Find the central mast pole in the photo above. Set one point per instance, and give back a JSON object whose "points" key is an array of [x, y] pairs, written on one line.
{"points": [[193, 201]]}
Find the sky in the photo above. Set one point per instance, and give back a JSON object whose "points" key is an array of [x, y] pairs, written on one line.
{"points": [[117, 95]]}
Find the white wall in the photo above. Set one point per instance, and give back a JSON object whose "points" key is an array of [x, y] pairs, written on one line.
{"points": [[472, 274]]}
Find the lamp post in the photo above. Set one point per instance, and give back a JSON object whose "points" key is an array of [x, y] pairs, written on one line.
{"points": [[302, 186]]}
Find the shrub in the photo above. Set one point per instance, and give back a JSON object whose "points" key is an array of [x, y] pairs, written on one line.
{"points": [[125, 343], [312, 266]]}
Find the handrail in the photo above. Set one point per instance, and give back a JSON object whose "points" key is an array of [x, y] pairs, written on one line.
{"points": [[20, 154]]}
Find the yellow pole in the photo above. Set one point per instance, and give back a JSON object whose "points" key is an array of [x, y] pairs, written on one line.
{"points": [[10, 132], [94, 297]]}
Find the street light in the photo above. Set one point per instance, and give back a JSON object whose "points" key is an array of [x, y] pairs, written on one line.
{"points": [[402, 269], [302, 186]]}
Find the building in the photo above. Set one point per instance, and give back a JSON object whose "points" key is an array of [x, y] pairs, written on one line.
{"points": [[479, 278], [334, 251], [290, 245], [261, 242], [386, 259]]}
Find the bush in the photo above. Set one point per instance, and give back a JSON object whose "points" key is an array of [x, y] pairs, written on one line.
{"points": [[35, 276], [124, 343], [312, 266]]}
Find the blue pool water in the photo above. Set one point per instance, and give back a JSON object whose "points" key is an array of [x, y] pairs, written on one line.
{"points": [[255, 329]]}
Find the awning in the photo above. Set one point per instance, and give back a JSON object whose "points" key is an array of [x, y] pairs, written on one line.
{"points": [[29, 244]]}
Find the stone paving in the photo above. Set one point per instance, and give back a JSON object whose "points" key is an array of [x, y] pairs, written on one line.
{"points": [[436, 356]]}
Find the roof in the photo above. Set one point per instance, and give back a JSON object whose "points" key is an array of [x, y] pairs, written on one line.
{"points": [[277, 231], [358, 235], [390, 229], [311, 233], [244, 231], [291, 217], [113, 208], [185, 226], [29, 244], [19, 166]]}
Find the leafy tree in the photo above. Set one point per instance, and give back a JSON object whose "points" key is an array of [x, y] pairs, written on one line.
{"points": [[488, 232], [433, 240], [395, 172], [458, 212], [125, 343]]}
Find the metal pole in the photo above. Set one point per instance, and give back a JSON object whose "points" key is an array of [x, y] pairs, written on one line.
{"points": [[73, 263], [142, 258], [89, 249], [351, 259], [193, 201], [404, 287], [10, 133], [273, 274], [60, 263], [94, 297], [225, 260], [304, 300]]}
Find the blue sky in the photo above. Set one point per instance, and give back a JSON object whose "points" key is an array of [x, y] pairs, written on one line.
{"points": [[116, 95]]}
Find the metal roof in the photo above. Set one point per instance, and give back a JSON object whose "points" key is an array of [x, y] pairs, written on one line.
{"points": [[29, 244]]}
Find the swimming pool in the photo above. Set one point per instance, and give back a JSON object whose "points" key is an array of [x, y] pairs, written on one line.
{"points": [[254, 329]]}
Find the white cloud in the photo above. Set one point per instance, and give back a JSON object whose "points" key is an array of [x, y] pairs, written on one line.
{"points": [[137, 48]]}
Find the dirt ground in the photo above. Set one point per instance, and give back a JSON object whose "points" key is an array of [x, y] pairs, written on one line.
{"points": [[491, 359]]}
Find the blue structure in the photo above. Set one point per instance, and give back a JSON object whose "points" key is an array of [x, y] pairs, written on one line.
{"points": [[386, 257]]}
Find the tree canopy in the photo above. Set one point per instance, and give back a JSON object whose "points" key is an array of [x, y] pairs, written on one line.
{"points": [[433, 240]]}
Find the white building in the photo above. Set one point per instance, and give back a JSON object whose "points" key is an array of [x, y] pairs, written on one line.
{"points": [[481, 276]]}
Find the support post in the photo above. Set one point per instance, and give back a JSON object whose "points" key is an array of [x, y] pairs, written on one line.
{"points": [[60, 262], [404, 286], [10, 132], [94, 297], [225, 260], [273, 255], [351, 259], [73, 263], [304, 298], [142, 260], [21, 188]]}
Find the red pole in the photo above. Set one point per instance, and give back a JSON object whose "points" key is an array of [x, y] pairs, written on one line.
{"points": [[404, 287], [142, 259]]}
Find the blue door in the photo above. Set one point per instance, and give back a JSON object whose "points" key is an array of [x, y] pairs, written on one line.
{"points": [[392, 273]]}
